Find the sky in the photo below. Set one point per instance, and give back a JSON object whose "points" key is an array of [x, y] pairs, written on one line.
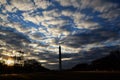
{"points": [[85, 29]]}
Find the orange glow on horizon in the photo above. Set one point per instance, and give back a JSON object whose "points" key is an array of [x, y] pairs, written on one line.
{"points": [[9, 62]]}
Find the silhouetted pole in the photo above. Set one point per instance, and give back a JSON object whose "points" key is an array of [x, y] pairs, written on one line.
{"points": [[60, 62]]}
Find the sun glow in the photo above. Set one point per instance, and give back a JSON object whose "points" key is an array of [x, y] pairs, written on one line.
{"points": [[9, 62]]}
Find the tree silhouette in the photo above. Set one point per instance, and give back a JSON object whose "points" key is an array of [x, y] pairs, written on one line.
{"points": [[109, 63]]}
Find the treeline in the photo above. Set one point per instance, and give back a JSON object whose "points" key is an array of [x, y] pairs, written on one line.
{"points": [[29, 66], [110, 62]]}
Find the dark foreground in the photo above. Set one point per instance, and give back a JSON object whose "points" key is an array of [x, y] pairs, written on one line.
{"points": [[70, 75]]}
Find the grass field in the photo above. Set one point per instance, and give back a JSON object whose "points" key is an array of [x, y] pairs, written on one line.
{"points": [[69, 75]]}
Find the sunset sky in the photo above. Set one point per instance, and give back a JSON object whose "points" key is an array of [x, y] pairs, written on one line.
{"points": [[86, 29]]}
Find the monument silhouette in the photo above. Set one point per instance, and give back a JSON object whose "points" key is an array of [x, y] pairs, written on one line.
{"points": [[60, 60]]}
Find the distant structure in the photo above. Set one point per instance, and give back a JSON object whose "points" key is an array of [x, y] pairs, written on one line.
{"points": [[60, 61]]}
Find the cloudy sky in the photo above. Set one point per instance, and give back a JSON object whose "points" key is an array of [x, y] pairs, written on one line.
{"points": [[86, 29]]}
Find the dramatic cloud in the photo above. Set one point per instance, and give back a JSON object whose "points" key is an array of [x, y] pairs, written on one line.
{"points": [[3, 1], [86, 29], [42, 3], [23, 4]]}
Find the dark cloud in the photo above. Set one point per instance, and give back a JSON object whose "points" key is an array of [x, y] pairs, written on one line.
{"points": [[99, 35], [13, 38]]}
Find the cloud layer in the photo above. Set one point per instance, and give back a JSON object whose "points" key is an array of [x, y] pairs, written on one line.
{"points": [[85, 28]]}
